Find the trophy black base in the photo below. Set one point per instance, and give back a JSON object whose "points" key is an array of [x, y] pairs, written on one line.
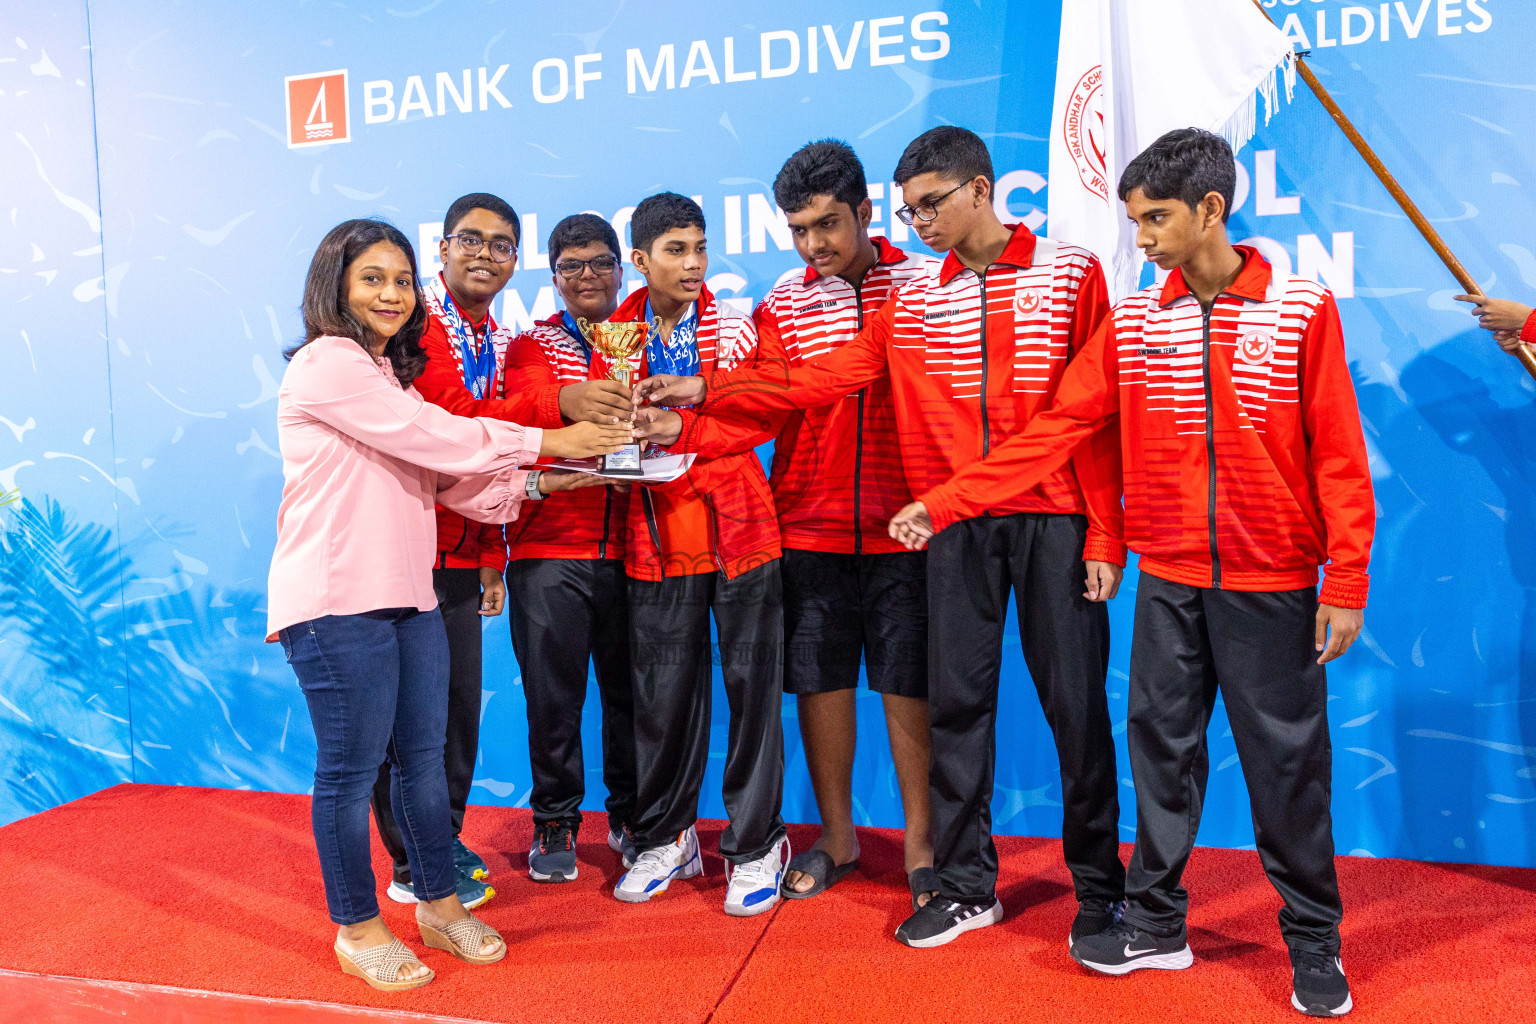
{"points": [[624, 462]]}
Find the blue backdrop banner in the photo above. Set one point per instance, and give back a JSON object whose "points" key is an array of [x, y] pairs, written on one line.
{"points": [[170, 169]]}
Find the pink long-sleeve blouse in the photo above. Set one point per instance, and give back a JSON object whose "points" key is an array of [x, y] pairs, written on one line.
{"points": [[363, 463]]}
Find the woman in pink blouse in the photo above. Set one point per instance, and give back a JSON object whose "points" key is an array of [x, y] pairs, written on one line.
{"points": [[350, 592]]}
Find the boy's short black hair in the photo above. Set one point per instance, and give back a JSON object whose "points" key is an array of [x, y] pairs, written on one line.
{"points": [[482, 201], [1186, 164], [581, 229], [948, 150], [660, 213], [828, 167]]}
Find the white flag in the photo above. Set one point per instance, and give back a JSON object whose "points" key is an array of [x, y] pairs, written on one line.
{"points": [[1130, 70]]}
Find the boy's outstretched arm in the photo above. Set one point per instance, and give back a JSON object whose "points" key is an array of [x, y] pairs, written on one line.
{"points": [[1087, 400]]}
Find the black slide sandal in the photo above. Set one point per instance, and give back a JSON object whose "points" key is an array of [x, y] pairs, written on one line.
{"points": [[823, 871], [920, 881]]}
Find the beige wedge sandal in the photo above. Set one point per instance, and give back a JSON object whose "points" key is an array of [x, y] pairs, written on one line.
{"points": [[463, 938], [380, 966]]}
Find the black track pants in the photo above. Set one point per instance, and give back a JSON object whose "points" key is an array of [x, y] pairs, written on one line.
{"points": [[972, 565], [565, 613], [672, 663], [1258, 649]]}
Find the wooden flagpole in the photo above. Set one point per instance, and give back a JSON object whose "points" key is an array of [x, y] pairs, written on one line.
{"points": [[1522, 352]]}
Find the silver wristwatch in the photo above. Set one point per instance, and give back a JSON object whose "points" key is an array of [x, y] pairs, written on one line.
{"points": [[531, 488]]}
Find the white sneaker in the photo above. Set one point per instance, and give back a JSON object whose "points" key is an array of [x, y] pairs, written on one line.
{"points": [[754, 885], [655, 869]]}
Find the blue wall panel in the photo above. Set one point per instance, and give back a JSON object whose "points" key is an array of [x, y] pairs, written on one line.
{"points": [[184, 299]]}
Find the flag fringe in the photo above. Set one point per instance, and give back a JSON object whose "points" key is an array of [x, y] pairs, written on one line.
{"points": [[1244, 122]]}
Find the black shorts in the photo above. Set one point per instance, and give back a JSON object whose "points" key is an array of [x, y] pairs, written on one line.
{"points": [[841, 610]]}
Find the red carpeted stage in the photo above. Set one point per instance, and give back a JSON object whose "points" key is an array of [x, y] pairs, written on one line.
{"points": [[172, 905]]}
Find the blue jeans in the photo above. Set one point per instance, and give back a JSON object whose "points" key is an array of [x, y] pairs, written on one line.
{"points": [[377, 687]]}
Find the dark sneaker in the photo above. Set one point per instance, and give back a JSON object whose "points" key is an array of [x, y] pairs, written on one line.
{"points": [[1319, 988], [942, 920], [622, 843], [1125, 948], [1094, 916], [468, 861], [552, 857], [472, 893]]}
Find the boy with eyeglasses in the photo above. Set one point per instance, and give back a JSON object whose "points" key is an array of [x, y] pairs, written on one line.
{"points": [[565, 574], [974, 348], [1245, 470], [464, 347]]}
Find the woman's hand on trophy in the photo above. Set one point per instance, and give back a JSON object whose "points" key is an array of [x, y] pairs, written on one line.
{"points": [[584, 440], [659, 426], [667, 389], [596, 401], [552, 480]]}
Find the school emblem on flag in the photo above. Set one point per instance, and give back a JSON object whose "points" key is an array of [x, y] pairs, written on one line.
{"points": [[1126, 72], [1083, 132], [317, 108]]}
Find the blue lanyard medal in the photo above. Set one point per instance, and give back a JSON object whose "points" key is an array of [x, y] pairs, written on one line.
{"points": [[569, 323], [679, 354], [479, 359]]}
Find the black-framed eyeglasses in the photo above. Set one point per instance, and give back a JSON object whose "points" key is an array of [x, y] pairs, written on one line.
{"points": [[470, 245], [601, 266], [926, 212]]}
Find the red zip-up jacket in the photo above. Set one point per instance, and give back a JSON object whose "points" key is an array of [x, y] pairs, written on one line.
{"points": [[971, 360], [719, 515], [587, 523], [1245, 465], [837, 476], [463, 543]]}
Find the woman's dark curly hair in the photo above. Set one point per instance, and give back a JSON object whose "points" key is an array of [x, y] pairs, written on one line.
{"points": [[326, 312]]}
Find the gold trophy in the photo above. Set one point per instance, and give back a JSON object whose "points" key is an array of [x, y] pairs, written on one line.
{"points": [[618, 342]]}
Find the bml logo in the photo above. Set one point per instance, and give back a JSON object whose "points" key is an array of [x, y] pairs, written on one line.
{"points": [[317, 108]]}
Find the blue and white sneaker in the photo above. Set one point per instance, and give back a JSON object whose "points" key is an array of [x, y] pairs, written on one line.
{"points": [[468, 862], [471, 891], [657, 868], [754, 886]]}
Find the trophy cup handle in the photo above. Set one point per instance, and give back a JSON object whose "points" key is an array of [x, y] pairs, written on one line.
{"points": [[585, 327]]}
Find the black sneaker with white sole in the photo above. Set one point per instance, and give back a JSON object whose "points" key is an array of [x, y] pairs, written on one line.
{"points": [[1094, 916], [1318, 985], [623, 843], [1124, 948], [552, 857], [943, 920]]}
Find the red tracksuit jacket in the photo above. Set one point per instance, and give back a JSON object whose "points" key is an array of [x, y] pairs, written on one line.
{"points": [[587, 523], [970, 360], [837, 476], [462, 543], [1245, 466], [718, 516]]}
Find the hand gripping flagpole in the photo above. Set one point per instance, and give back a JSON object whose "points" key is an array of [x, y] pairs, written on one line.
{"points": [[1522, 352]]}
